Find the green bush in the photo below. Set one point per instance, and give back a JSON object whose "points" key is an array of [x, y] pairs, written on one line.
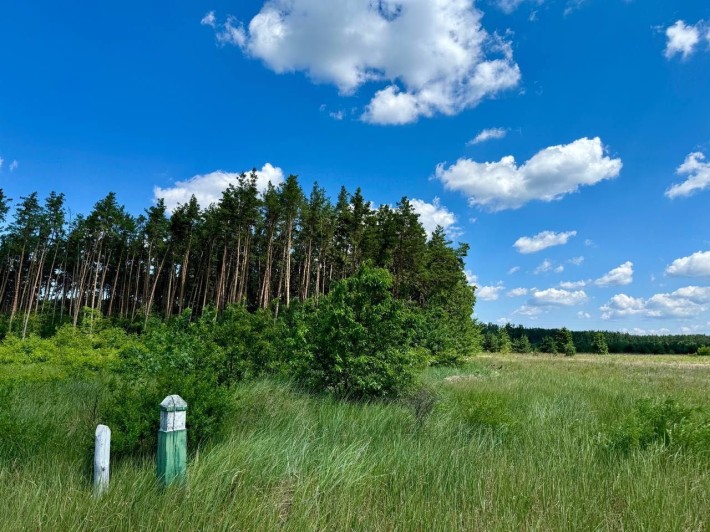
{"points": [[650, 423], [359, 341], [175, 358], [131, 408], [70, 352], [703, 351], [250, 341], [446, 329]]}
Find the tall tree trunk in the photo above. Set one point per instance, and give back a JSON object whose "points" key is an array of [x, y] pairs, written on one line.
{"points": [[18, 277], [152, 291]]}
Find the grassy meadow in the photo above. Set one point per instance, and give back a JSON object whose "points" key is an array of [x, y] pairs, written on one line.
{"points": [[505, 442]]}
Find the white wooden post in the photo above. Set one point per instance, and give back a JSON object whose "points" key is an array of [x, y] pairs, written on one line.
{"points": [[102, 458]]}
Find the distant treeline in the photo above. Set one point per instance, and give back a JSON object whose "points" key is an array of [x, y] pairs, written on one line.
{"points": [[260, 250], [584, 341]]}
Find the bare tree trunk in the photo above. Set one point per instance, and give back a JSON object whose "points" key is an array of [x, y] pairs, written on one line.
{"points": [[114, 285], [152, 291], [266, 282], [31, 294], [18, 277], [183, 276]]}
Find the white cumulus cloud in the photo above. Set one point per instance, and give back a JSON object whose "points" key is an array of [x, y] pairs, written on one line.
{"points": [[695, 265], [529, 311], [432, 56], [557, 297], [434, 214], [488, 134], [517, 292], [682, 39], [698, 172], [208, 188], [685, 302], [489, 293], [544, 240], [619, 276], [548, 175], [573, 285]]}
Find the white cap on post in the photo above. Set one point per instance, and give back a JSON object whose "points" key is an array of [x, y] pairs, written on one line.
{"points": [[173, 413]]}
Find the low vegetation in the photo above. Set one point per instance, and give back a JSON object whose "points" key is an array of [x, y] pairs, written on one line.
{"points": [[500, 443]]}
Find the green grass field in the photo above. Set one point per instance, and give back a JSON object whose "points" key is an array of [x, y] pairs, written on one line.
{"points": [[504, 443]]}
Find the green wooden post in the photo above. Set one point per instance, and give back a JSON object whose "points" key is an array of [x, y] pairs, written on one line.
{"points": [[172, 440]]}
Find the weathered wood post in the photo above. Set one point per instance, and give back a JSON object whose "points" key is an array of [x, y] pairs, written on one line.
{"points": [[172, 440], [102, 458]]}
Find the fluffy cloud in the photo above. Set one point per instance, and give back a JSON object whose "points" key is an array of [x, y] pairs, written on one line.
{"points": [[488, 134], [573, 285], [622, 305], [517, 292], [685, 302], [528, 311], [544, 240], [698, 172], [547, 266], [682, 39], [433, 55], [695, 265], [514, 269], [208, 188], [433, 214], [584, 315], [489, 293], [557, 297], [548, 175], [620, 276], [577, 261]]}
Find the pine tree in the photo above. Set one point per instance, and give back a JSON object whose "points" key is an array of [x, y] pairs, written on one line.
{"points": [[522, 345], [565, 342], [599, 344], [548, 345], [504, 343]]}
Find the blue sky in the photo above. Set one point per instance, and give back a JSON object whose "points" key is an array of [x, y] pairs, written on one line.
{"points": [[595, 118]]}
